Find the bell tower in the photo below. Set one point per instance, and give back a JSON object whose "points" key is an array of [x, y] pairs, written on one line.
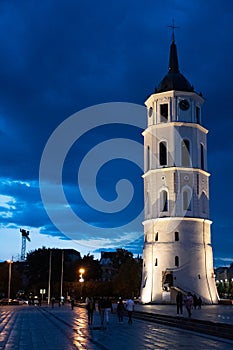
{"points": [[177, 252]]}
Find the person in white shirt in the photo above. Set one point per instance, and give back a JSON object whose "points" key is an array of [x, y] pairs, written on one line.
{"points": [[129, 307]]}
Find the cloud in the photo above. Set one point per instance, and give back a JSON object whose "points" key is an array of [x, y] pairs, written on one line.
{"points": [[60, 57]]}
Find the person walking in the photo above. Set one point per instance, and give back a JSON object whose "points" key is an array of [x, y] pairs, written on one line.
{"points": [[188, 303], [120, 311], [195, 301], [130, 307], [72, 303], [199, 302], [108, 309], [53, 301], [101, 307], [179, 303], [90, 306]]}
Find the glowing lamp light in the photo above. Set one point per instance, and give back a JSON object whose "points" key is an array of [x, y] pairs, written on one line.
{"points": [[81, 271]]}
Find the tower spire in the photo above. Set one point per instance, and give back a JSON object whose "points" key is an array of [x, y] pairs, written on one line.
{"points": [[173, 59], [174, 80]]}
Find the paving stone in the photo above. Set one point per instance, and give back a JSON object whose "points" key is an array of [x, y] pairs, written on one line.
{"points": [[61, 328]]}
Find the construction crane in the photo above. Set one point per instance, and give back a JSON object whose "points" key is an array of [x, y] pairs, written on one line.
{"points": [[25, 237]]}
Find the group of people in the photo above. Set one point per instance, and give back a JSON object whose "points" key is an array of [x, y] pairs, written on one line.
{"points": [[105, 308], [190, 301], [121, 308], [61, 301]]}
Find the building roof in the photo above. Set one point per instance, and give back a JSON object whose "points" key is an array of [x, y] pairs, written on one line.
{"points": [[174, 80]]}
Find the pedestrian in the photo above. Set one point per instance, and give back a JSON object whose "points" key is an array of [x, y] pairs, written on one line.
{"points": [[120, 311], [179, 303], [199, 302], [188, 303], [72, 303], [108, 309], [90, 306], [195, 301], [129, 307], [101, 307], [53, 301]]}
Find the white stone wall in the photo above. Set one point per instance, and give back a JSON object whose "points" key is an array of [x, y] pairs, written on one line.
{"points": [[175, 181], [173, 134], [195, 271]]}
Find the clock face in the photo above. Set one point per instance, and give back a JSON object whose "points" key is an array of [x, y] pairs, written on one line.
{"points": [[184, 105]]}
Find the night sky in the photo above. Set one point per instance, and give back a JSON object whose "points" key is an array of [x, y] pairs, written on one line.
{"points": [[58, 58]]}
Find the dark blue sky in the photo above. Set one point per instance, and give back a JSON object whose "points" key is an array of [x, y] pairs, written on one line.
{"points": [[59, 57]]}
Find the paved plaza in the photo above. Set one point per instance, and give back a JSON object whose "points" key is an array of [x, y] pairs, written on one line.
{"points": [[213, 313], [61, 328]]}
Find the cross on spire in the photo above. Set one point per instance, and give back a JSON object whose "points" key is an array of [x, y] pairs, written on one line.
{"points": [[173, 29]]}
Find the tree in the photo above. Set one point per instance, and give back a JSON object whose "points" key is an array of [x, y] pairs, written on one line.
{"points": [[92, 268], [38, 262], [121, 257], [3, 279], [128, 280], [38, 269], [17, 280]]}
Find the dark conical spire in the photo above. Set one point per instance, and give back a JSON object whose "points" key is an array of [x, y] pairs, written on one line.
{"points": [[174, 80], [173, 59]]}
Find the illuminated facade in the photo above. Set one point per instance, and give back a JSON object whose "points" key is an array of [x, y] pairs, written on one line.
{"points": [[177, 253]]}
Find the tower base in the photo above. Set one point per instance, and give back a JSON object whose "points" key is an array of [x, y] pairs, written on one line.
{"points": [[178, 256]]}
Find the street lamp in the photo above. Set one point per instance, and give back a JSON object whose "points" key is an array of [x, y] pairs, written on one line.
{"points": [[81, 279], [9, 280]]}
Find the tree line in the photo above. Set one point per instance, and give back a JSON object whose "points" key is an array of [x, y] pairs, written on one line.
{"points": [[48, 267]]}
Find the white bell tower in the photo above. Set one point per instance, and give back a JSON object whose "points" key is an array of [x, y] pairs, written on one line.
{"points": [[177, 253]]}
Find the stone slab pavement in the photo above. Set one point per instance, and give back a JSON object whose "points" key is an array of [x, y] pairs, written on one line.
{"points": [[61, 328], [213, 313]]}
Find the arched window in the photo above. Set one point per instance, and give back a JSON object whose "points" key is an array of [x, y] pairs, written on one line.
{"points": [[185, 153], [202, 157], [148, 157], [186, 200], [164, 201], [176, 261], [147, 206], [204, 202], [163, 153], [150, 112], [156, 262], [198, 114], [156, 236]]}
